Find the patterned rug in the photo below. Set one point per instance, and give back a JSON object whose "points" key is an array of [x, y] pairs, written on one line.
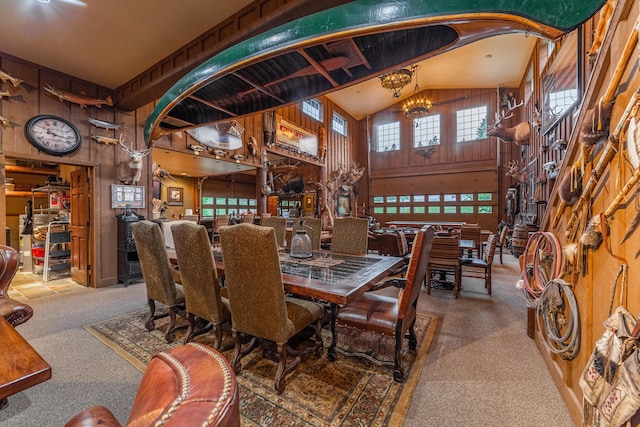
{"points": [[349, 392]]}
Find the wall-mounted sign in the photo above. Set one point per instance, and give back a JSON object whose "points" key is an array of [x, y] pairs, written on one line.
{"points": [[299, 139], [123, 195]]}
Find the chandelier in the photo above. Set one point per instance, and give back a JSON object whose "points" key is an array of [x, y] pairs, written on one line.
{"points": [[396, 80], [417, 106]]}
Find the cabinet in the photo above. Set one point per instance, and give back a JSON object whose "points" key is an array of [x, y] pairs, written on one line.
{"points": [[128, 263]]}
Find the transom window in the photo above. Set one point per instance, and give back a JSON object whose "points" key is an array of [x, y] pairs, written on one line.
{"points": [[471, 124], [339, 124], [312, 108], [388, 136], [426, 131]]}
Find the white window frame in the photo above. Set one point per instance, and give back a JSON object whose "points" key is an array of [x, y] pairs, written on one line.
{"points": [[468, 122], [391, 133], [426, 131], [312, 108], [339, 124]]}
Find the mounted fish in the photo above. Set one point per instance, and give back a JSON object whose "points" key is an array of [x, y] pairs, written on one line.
{"points": [[104, 125], [80, 99], [104, 139], [6, 77]]}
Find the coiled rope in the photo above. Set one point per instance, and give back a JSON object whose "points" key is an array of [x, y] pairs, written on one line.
{"points": [[558, 319]]}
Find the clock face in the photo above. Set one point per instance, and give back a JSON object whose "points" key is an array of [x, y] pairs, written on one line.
{"points": [[53, 135]]}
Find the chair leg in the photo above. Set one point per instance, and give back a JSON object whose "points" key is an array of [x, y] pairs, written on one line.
{"points": [[427, 279], [501, 254], [282, 364], [398, 369], [239, 353], [457, 281], [150, 324], [192, 324], [488, 280], [170, 335]]}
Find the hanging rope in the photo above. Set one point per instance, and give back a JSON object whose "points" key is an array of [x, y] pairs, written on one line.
{"points": [[558, 310]]}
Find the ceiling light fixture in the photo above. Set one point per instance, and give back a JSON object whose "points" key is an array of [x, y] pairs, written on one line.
{"points": [[396, 80], [417, 106]]}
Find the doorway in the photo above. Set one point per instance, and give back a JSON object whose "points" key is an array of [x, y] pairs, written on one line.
{"points": [[47, 212]]}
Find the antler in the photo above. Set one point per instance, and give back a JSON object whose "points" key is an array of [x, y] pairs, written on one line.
{"points": [[121, 142], [503, 115]]}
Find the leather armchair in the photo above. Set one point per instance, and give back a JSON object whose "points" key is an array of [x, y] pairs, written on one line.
{"points": [[186, 386], [15, 312]]}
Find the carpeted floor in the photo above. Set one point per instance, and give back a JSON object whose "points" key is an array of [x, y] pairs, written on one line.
{"points": [[350, 391]]}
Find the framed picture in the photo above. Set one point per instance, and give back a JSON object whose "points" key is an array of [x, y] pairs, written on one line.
{"points": [[344, 206], [175, 196], [123, 195]]}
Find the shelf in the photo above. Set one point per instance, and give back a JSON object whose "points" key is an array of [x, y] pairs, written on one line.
{"points": [[10, 193]]}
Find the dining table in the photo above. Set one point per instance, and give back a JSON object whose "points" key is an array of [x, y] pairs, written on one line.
{"points": [[333, 278], [20, 364]]}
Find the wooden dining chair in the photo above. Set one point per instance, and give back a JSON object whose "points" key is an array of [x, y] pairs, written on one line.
{"points": [[219, 221], [248, 218], [279, 224], [202, 294], [392, 315], [445, 259], [350, 236], [481, 267], [159, 277], [472, 232], [259, 308]]}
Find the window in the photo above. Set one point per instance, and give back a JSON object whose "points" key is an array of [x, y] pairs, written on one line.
{"points": [[434, 209], [418, 198], [466, 197], [450, 197], [388, 136], [450, 209], [466, 209], [418, 209], [484, 197], [426, 131], [434, 197], [378, 199], [392, 199], [339, 124], [312, 108], [485, 209], [471, 124], [405, 199], [405, 209], [378, 210]]}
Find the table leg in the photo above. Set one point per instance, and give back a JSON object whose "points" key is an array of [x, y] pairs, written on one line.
{"points": [[331, 352]]}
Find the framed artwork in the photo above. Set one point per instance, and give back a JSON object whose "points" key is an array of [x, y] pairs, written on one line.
{"points": [[561, 83], [344, 206], [123, 195], [175, 196]]}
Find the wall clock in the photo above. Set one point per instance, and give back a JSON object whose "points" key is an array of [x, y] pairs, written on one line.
{"points": [[53, 135]]}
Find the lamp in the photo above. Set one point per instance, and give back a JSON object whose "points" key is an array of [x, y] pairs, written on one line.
{"points": [[396, 80], [418, 106]]}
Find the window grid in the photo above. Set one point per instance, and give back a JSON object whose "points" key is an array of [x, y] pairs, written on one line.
{"points": [[339, 124], [471, 124], [312, 108], [388, 136], [449, 203], [426, 131]]}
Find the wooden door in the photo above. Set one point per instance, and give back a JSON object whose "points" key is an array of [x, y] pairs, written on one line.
{"points": [[80, 224]]}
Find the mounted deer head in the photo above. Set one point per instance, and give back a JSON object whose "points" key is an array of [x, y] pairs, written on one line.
{"points": [[129, 171], [517, 170], [518, 134]]}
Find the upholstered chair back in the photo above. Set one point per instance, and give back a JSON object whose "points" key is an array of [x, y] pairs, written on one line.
{"points": [[416, 273], [387, 244], [403, 244], [316, 231], [349, 235], [248, 218], [200, 282], [154, 262], [279, 224], [254, 281]]}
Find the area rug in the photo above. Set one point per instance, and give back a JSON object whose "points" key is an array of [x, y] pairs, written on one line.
{"points": [[349, 392]]}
